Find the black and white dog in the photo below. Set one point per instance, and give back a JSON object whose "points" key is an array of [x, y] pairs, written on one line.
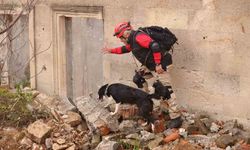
{"points": [[123, 94], [161, 92]]}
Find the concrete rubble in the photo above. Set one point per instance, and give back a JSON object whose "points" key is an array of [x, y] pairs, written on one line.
{"points": [[89, 125], [95, 114], [38, 131]]}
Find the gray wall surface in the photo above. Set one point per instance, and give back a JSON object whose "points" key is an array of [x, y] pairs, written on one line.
{"points": [[15, 52], [19, 57]]}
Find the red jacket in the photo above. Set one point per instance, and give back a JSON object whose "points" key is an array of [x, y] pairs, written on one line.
{"points": [[144, 41]]}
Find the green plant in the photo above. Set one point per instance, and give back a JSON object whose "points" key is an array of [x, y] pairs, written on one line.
{"points": [[127, 146], [13, 108], [23, 83]]}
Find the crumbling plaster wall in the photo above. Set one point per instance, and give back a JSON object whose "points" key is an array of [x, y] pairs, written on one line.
{"points": [[211, 63]]}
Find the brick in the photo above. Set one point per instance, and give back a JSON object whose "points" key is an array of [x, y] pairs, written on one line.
{"points": [[159, 126], [175, 135], [104, 130]]}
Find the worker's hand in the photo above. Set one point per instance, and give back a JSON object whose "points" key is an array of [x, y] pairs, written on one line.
{"points": [[158, 69], [106, 50]]}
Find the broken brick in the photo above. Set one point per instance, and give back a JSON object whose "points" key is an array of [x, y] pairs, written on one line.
{"points": [[159, 126], [245, 146], [173, 136], [192, 129], [104, 130]]}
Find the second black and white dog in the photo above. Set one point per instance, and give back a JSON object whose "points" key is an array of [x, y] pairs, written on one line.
{"points": [[123, 94], [161, 92]]}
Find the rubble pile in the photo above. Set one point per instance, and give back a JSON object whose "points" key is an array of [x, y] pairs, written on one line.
{"points": [[90, 126], [198, 131], [70, 133]]}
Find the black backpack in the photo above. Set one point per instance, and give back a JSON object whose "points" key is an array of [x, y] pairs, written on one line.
{"points": [[163, 36]]}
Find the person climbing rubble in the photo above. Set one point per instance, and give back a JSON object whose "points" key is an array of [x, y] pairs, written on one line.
{"points": [[154, 56]]}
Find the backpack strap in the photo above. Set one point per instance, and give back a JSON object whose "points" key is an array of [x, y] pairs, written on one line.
{"points": [[140, 30]]}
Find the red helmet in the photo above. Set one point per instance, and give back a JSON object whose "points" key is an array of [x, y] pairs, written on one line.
{"points": [[121, 27]]}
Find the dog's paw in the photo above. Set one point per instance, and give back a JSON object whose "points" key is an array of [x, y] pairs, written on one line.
{"points": [[112, 113]]}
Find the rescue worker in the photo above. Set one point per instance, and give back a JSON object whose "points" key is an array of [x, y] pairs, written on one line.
{"points": [[148, 53]]}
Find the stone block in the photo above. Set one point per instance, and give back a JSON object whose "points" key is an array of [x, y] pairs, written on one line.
{"points": [[224, 141], [95, 114], [38, 131], [128, 126], [56, 146], [107, 145], [72, 118]]}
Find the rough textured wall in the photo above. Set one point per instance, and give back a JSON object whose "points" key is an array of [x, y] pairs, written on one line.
{"points": [[211, 61], [19, 57], [14, 52]]}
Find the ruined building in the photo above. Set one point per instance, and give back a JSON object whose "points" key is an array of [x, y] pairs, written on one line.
{"points": [[64, 40]]}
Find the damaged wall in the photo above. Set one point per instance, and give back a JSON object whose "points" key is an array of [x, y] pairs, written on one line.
{"points": [[211, 62], [211, 72], [14, 51]]}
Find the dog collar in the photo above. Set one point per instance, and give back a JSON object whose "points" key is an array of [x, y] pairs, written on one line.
{"points": [[106, 90]]}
